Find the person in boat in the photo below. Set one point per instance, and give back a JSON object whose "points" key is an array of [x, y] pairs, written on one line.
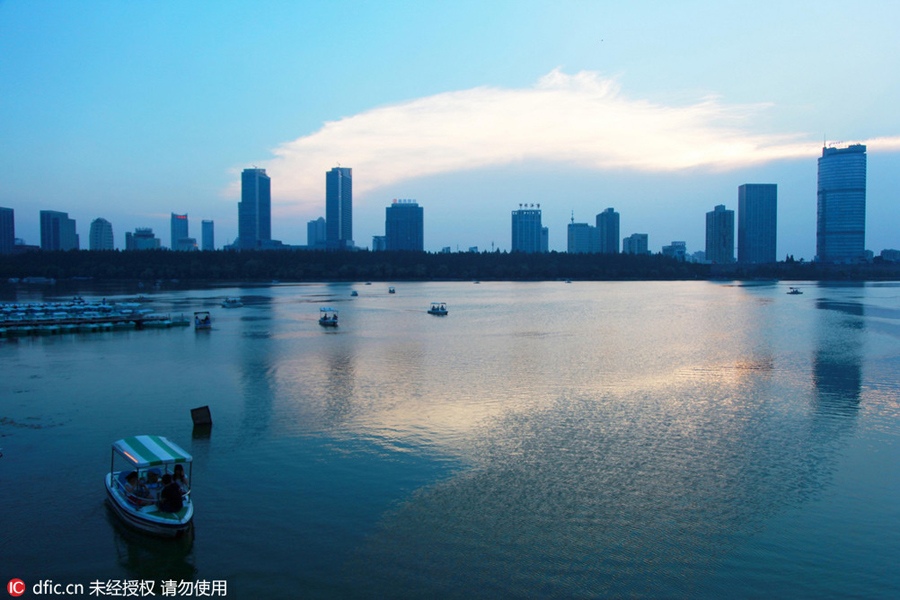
{"points": [[136, 490], [180, 478], [170, 496]]}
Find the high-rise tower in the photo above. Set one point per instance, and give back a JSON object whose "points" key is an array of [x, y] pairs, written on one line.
{"points": [[339, 208], [58, 231], [255, 210], [7, 230], [608, 227], [100, 236], [841, 205], [720, 235], [757, 222], [527, 233], [404, 226]]}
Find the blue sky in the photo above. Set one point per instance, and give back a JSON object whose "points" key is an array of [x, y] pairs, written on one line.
{"points": [[133, 110]]}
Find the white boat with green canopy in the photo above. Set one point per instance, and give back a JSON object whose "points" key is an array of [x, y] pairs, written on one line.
{"points": [[135, 488]]}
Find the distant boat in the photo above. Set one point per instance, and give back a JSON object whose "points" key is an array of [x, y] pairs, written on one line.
{"points": [[438, 308], [391, 290], [202, 320], [794, 291], [145, 459], [328, 317], [232, 303], [354, 293]]}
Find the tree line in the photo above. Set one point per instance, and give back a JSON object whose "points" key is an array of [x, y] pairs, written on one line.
{"points": [[365, 265]]}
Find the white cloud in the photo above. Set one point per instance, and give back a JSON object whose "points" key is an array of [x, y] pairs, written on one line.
{"points": [[580, 120]]}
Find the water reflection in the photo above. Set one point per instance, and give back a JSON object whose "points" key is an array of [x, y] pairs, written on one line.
{"points": [[148, 558]]}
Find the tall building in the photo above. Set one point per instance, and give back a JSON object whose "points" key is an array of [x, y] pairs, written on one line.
{"points": [[404, 226], [208, 238], [141, 239], [582, 238], [255, 210], [179, 229], [339, 208], [527, 233], [315, 234], [58, 231], [608, 226], [757, 222], [101, 235], [7, 230], [720, 235], [841, 210], [636, 243]]}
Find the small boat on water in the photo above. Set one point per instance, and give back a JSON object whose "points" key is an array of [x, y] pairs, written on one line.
{"points": [[391, 290], [134, 486], [438, 308], [202, 320], [328, 317], [354, 293], [794, 291], [232, 303]]}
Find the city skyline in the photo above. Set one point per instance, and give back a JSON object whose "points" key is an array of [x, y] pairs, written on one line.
{"points": [[658, 110]]}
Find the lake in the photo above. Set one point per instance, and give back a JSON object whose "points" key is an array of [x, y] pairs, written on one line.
{"points": [[592, 439]]}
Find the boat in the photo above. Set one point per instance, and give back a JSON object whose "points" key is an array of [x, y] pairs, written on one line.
{"points": [[232, 303], [354, 293], [328, 317], [794, 291], [146, 459], [391, 290], [438, 308], [202, 320]]}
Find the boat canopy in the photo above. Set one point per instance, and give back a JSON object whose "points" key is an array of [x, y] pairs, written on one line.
{"points": [[150, 450]]}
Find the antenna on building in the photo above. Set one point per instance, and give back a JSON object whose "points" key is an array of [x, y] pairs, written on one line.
{"points": [[573, 217]]}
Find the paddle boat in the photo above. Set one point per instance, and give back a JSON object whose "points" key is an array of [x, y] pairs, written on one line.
{"points": [[794, 291], [328, 317], [232, 303], [202, 320], [145, 459], [438, 308]]}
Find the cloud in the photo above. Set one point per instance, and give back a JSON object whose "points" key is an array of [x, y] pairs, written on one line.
{"points": [[582, 120]]}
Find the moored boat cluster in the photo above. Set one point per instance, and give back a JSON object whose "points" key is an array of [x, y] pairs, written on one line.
{"points": [[79, 316]]}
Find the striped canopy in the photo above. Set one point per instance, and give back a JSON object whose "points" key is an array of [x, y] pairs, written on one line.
{"points": [[150, 451]]}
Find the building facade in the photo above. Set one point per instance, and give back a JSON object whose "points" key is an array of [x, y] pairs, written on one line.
{"points": [[142, 239], [582, 238], [208, 235], [636, 243], [100, 236], [339, 208], [58, 231], [676, 250], [608, 226], [720, 235], [7, 230], [404, 226], [255, 210], [315, 234], [757, 223], [528, 235], [178, 226], [841, 205]]}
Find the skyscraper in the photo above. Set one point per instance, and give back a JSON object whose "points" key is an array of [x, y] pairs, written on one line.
{"points": [[101, 235], [7, 230], [636, 243], [757, 222], [58, 231], [608, 226], [179, 229], [720, 235], [255, 210], [527, 233], [208, 239], [841, 200], [339, 208], [582, 238], [404, 226], [315, 234]]}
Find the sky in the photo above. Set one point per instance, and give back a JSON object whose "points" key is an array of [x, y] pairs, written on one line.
{"points": [[134, 110]]}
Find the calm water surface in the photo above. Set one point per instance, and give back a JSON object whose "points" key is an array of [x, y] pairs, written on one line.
{"points": [[543, 440]]}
